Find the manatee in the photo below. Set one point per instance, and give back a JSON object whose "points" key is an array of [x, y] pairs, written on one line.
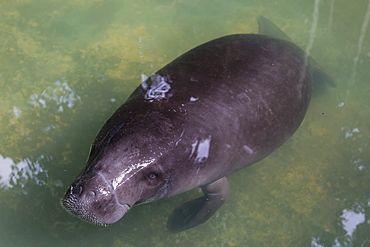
{"points": [[221, 106]]}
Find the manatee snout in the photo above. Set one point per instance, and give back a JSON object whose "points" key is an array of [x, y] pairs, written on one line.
{"points": [[93, 199]]}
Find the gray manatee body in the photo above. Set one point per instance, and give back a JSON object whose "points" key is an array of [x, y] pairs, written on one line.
{"points": [[219, 107]]}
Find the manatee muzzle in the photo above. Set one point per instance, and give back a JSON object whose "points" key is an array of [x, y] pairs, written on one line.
{"points": [[92, 199]]}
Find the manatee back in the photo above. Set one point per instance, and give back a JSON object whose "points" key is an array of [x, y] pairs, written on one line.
{"points": [[243, 94]]}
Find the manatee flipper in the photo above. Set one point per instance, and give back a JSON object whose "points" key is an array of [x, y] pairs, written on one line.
{"points": [[199, 210]]}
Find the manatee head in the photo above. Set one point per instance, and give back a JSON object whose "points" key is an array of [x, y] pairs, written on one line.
{"points": [[123, 175]]}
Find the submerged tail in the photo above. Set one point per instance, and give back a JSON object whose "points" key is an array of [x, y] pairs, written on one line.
{"points": [[319, 78]]}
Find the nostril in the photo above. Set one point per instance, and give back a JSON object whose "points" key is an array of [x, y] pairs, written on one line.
{"points": [[91, 194], [77, 190]]}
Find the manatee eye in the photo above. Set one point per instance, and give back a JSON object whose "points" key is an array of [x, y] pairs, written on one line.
{"points": [[153, 175]]}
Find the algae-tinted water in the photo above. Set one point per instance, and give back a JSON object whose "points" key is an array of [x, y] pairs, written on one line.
{"points": [[65, 66]]}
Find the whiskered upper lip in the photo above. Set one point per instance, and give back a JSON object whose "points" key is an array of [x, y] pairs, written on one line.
{"points": [[74, 207], [99, 204]]}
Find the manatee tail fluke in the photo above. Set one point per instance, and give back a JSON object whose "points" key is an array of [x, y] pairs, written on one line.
{"points": [[266, 27], [319, 78]]}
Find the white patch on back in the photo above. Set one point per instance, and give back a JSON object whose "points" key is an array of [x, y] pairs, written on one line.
{"points": [[248, 149], [157, 89], [200, 149], [193, 147], [193, 99], [203, 150]]}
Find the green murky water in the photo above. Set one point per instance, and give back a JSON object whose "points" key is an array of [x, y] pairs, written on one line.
{"points": [[65, 66]]}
